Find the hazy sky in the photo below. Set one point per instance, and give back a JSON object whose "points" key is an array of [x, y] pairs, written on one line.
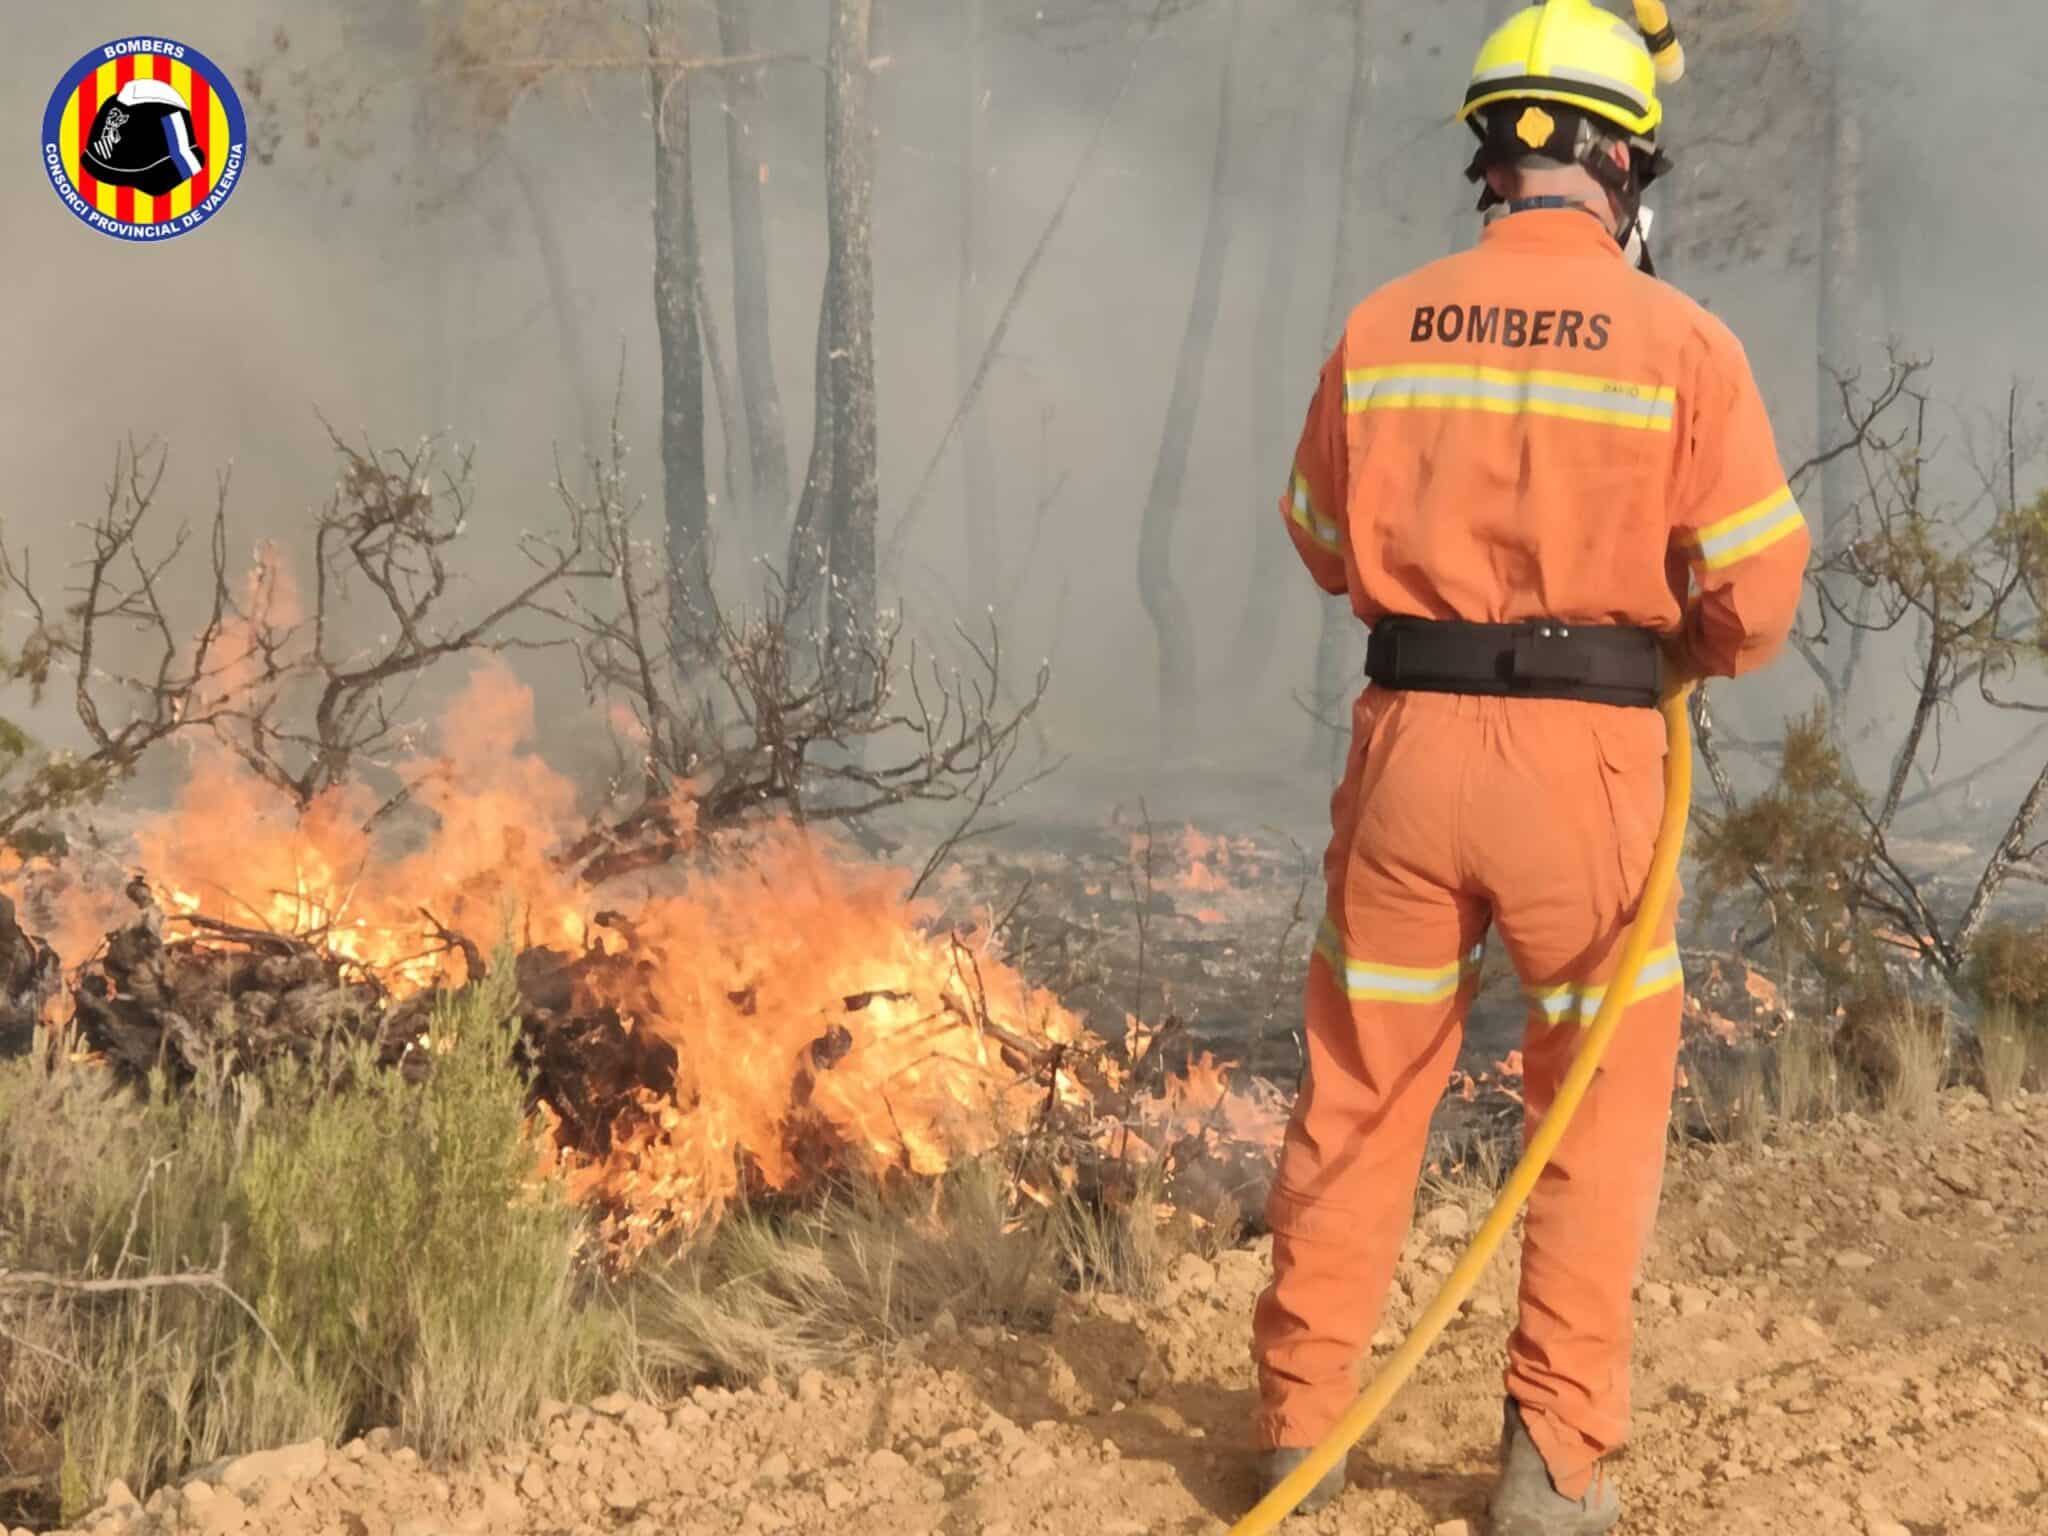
{"points": [[309, 292]]}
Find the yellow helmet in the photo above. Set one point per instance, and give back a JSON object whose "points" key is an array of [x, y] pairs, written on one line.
{"points": [[1576, 54]]}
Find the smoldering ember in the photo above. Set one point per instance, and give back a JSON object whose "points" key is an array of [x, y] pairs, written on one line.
{"points": [[1154, 766]]}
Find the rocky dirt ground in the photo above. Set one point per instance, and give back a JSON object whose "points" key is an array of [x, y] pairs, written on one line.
{"points": [[1844, 1331]]}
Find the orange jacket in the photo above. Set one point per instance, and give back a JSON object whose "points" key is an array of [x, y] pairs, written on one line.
{"points": [[1534, 429]]}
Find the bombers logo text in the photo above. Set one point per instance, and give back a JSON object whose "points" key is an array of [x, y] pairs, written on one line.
{"points": [[1512, 327], [144, 139]]}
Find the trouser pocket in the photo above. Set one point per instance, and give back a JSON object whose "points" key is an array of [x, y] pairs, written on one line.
{"points": [[1630, 748]]}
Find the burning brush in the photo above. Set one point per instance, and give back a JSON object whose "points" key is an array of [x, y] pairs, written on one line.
{"points": [[774, 1013]]}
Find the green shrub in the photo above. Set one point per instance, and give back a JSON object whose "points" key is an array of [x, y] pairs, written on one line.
{"points": [[397, 1264]]}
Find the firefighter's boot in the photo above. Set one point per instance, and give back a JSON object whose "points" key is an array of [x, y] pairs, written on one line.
{"points": [[1526, 1503], [1276, 1466]]}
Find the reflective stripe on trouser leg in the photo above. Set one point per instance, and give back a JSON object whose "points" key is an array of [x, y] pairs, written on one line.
{"points": [[1381, 1042], [1590, 1218]]}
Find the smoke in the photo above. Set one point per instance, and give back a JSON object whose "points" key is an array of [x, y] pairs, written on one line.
{"points": [[396, 278]]}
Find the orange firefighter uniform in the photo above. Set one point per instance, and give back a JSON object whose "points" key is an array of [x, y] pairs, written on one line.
{"points": [[1532, 429]]}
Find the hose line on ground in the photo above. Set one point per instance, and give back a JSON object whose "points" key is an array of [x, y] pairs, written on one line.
{"points": [[1457, 1287]]}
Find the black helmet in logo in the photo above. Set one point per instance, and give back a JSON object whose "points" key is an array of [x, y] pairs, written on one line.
{"points": [[142, 138]]}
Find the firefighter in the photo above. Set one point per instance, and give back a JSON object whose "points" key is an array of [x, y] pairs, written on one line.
{"points": [[1547, 483]]}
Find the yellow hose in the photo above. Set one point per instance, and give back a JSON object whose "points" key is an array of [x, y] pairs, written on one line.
{"points": [[1642, 933]]}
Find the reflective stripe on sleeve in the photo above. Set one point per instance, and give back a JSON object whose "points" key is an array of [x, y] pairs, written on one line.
{"points": [[1301, 511], [1369, 982], [1500, 391], [1749, 532], [1661, 972]]}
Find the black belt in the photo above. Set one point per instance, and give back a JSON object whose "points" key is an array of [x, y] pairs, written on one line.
{"points": [[1542, 659]]}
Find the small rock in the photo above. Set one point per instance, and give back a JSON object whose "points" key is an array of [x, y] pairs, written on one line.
{"points": [[958, 1439], [810, 1387], [1034, 1464], [613, 1405], [217, 1517], [291, 1464], [118, 1496], [837, 1495], [500, 1506], [1851, 1259], [1656, 1294], [1191, 1274], [775, 1466], [981, 1336], [1882, 1527], [1957, 1175], [1720, 1246], [886, 1463], [1447, 1222], [1452, 1528], [945, 1325]]}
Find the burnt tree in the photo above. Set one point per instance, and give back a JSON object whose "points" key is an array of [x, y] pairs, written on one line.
{"points": [[1841, 220], [554, 265], [977, 457], [685, 495], [854, 495], [746, 171], [1337, 638], [1165, 604], [1272, 399]]}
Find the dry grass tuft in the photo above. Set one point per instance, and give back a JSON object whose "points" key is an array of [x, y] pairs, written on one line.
{"points": [[1915, 1060], [2011, 1054], [1808, 1079], [767, 1295]]}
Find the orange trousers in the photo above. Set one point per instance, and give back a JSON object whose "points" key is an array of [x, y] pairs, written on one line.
{"points": [[1538, 818]]}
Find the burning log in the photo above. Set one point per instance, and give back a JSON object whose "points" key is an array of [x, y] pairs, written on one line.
{"points": [[29, 976], [231, 1000]]}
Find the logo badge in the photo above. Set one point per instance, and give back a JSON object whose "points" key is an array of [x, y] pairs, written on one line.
{"points": [[1536, 127], [144, 139]]}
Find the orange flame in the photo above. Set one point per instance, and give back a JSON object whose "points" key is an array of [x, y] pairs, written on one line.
{"points": [[819, 1019]]}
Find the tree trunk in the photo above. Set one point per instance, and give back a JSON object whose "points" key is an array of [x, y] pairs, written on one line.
{"points": [[804, 575], [1273, 397], [722, 391], [554, 266], [1165, 604], [767, 438], [851, 604], [1337, 641], [685, 499], [977, 457], [1840, 274]]}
